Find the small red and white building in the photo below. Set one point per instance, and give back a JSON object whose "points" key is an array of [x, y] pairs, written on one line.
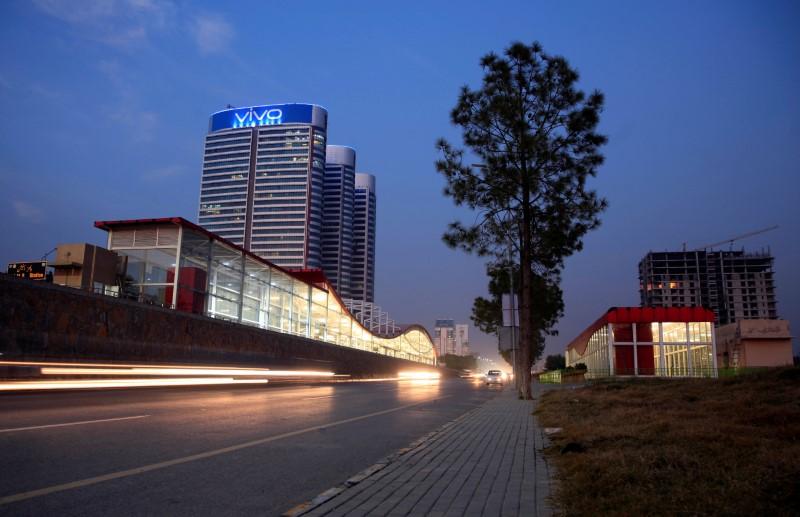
{"points": [[648, 341]]}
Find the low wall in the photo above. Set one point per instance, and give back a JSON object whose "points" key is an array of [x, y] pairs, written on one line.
{"points": [[44, 321]]}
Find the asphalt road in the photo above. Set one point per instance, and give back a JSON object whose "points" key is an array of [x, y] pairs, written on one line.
{"points": [[208, 451]]}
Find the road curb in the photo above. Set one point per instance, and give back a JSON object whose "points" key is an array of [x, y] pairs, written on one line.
{"points": [[329, 494]]}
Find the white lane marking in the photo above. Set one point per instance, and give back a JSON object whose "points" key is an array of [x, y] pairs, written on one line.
{"points": [[360, 393], [208, 454], [71, 423]]}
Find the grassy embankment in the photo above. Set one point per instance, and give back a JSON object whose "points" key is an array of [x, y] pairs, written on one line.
{"points": [[678, 447]]}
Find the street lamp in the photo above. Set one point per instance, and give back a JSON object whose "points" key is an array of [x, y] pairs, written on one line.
{"points": [[512, 299]]}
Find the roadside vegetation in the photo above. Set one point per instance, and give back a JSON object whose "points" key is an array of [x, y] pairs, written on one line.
{"points": [[677, 447]]}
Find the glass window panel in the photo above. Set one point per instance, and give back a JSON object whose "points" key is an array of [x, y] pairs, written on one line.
{"points": [[345, 327], [195, 246], [275, 317], [674, 332], [224, 308], [251, 312], [318, 321], [319, 296], [702, 360], [195, 250], [300, 315], [155, 294], [281, 280], [160, 266], [136, 264], [300, 288], [676, 360], [700, 331]]}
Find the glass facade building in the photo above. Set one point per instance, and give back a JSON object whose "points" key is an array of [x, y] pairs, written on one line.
{"points": [[651, 341], [262, 181], [337, 217], [175, 263], [362, 274]]}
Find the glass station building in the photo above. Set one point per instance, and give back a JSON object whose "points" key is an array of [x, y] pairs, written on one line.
{"points": [[175, 263], [652, 341]]}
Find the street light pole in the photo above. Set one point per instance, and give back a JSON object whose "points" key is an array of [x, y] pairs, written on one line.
{"points": [[512, 298], [513, 304]]}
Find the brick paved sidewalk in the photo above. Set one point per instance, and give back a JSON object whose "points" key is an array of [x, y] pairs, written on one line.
{"points": [[489, 461]]}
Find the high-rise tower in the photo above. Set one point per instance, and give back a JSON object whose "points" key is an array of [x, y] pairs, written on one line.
{"points": [[337, 217], [362, 275], [734, 284], [262, 183]]}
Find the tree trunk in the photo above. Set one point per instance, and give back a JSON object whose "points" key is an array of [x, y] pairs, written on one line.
{"points": [[525, 319]]}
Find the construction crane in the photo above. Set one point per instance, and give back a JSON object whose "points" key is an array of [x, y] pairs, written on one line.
{"points": [[737, 238]]}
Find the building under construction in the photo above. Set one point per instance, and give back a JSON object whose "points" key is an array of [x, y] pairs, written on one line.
{"points": [[734, 284]]}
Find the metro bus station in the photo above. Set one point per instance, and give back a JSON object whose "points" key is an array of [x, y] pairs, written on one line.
{"points": [[647, 341]]}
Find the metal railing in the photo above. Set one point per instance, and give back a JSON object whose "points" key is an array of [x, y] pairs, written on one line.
{"points": [[572, 376]]}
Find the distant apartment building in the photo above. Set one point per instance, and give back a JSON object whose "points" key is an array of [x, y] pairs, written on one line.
{"points": [[362, 273], [734, 284], [263, 179], [444, 337], [337, 217], [451, 338]]}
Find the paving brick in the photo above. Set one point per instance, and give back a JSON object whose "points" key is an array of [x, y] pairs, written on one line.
{"points": [[486, 462]]}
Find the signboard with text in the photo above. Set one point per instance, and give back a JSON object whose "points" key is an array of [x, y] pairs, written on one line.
{"points": [[271, 115], [28, 270]]}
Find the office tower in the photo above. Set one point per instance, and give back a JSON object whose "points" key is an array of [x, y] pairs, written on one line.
{"points": [[462, 339], [734, 284], [262, 183], [337, 217], [362, 275], [444, 337]]}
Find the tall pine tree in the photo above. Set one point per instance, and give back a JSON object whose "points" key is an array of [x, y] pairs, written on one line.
{"points": [[535, 135]]}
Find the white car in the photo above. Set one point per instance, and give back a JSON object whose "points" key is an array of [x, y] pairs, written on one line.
{"points": [[494, 377]]}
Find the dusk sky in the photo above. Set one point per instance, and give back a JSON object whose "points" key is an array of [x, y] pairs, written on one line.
{"points": [[104, 105]]}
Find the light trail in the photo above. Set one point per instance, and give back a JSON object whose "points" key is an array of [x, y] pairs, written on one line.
{"points": [[187, 371], [121, 383], [132, 375], [117, 365], [419, 375]]}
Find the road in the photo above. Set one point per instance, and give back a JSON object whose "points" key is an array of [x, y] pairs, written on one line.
{"points": [[219, 451]]}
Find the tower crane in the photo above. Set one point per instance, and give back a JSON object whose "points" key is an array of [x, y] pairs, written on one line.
{"points": [[737, 238]]}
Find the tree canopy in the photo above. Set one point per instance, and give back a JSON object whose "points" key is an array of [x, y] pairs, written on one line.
{"points": [[534, 135], [546, 309], [555, 362]]}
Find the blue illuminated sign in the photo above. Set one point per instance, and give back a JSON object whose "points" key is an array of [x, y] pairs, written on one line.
{"points": [[255, 116]]}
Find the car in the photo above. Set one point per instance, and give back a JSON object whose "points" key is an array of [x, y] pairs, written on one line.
{"points": [[494, 377]]}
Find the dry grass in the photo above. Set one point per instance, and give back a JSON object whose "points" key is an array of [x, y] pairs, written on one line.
{"points": [[678, 447]]}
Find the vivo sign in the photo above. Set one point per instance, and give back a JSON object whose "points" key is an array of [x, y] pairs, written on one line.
{"points": [[255, 116], [252, 118]]}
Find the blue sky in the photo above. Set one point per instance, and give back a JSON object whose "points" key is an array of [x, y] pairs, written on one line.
{"points": [[104, 104]]}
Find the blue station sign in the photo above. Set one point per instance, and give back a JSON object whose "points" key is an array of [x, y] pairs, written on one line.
{"points": [[255, 116]]}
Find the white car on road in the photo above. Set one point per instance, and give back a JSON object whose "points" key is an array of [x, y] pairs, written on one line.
{"points": [[494, 377]]}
